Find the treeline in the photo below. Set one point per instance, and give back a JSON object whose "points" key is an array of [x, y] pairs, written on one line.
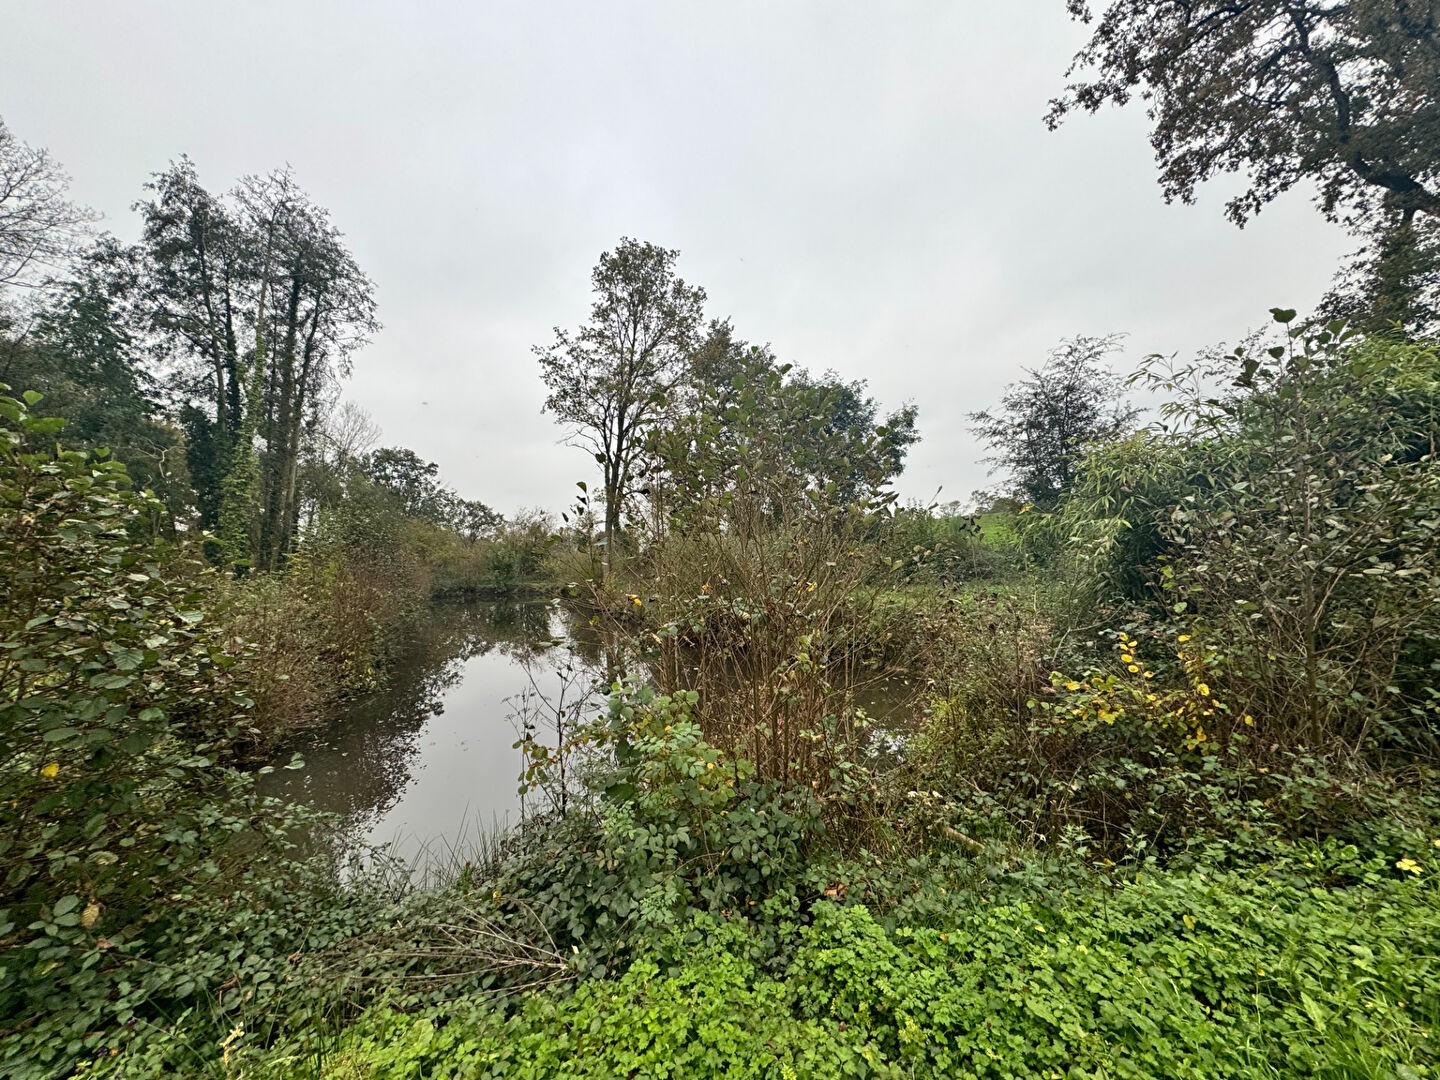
{"points": [[686, 418], [208, 356]]}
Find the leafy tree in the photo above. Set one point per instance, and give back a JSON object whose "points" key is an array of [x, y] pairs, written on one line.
{"points": [[1339, 93], [411, 479], [1393, 280], [83, 355], [610, 381], [196, 265], [257, 306], [414, 483], [1047, 422], [39, 225], [471, 518], [766, 433]]}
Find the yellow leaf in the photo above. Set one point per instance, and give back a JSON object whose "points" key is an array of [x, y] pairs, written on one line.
{"points": [[51, 770], [1183, 638], [90, 915], [1189, 921], [1410, 866]]}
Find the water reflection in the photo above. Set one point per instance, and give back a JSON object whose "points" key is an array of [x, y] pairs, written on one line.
{"points": [[429, 760], [428, 765]]}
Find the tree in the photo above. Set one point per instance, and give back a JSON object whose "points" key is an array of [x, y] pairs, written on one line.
{"points": [[1339, 92], [82, 354], [39, 226], [414, 484], [1047, 422], [256, 307], [749, 425], [411, 479], [471, 518], [610, 381], [196, 269], [1392, 281], [320, 311]]}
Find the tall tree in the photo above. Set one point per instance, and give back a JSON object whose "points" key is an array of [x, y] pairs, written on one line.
{"points": [[1338, 92], [611, 380], [1047, 422], [258, 306], [321, 309], [85, 357], [40, 227], [769, 433], [198, 267]]}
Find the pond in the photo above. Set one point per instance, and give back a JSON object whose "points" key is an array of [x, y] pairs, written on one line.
{"points": [[428, 764]]}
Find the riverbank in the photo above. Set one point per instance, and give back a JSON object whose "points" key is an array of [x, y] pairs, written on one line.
{"points": [[1140, 826]]}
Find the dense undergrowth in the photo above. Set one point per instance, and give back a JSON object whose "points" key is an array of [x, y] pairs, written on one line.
{"points": [[1202, 974], [1168, 809]]}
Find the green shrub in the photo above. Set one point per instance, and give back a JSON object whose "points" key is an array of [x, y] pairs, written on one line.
{"points": [[1295, 516], [667, 826], [119, 703], [1271, 973]]}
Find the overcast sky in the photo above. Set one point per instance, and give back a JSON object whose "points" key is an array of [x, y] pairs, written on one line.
{"points": [[868, 187]]}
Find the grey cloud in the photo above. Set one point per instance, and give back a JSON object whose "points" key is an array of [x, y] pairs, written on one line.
{"points": [[868, 187]]}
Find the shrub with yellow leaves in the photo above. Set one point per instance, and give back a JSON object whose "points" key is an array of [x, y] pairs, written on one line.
{"points": [[1131, 695]]}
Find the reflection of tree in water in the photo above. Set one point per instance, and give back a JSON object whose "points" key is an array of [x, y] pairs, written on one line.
{"points": [[360, 764], [605, 646]]}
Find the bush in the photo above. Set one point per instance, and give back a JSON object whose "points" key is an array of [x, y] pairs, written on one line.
{"points": [[322, 628], [1196, 974], [119, 706], [512, 557], [665, 826], [1296, 518]]}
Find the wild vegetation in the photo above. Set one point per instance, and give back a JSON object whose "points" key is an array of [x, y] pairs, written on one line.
{"points": [[1162, 802]]}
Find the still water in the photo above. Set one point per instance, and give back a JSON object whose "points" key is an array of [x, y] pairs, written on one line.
{"points": [[428, 764]]}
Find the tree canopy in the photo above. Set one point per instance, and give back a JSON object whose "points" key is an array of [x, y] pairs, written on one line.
{"points": [[748, 424], [1339, 92], [255, 307], [1047, 422], [610, 381]]}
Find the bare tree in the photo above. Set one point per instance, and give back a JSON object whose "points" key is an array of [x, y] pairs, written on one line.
{"points": [[348, 433], [39, 226]]}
